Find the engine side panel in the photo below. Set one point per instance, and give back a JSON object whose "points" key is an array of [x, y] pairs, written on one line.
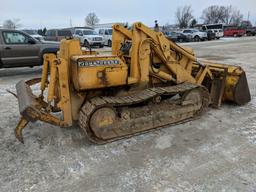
{"points": [[90, 72]]}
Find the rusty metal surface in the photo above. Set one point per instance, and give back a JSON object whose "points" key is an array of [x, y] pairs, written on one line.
{"points": [[141, 115], [32, 108], [241, 91], [26, 99], [18, 130], [217, 90]]}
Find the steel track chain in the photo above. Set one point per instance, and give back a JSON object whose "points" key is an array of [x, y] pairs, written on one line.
{"points": [[93, 104]]}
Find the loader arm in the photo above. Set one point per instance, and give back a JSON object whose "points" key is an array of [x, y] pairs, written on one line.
{"points": [[168, 51], [119, 35], [181, 65]]}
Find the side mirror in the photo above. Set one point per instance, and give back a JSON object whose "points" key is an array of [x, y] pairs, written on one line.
{"points": [[80, 34], [31, 41]]}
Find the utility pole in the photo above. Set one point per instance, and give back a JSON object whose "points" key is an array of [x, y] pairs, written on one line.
{"points": [[248, 16]]}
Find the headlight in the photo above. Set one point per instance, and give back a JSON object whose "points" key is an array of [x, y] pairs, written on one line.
{"points": [[90, 38]]}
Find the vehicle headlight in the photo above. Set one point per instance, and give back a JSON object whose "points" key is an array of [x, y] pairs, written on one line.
{"points": [[90, 38]]}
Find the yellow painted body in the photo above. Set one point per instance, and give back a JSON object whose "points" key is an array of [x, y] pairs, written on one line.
{"points": [[140, 58], [92, 72], [86, 71]]}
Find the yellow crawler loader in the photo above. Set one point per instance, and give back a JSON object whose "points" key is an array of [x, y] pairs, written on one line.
{"points": [[146, 83]]}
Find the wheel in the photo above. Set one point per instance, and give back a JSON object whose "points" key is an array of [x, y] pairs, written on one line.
{"points": [[248, 34], [192, 97], [109, 43], [196, 38], [101, 120], [86, 44], [198, 97]]}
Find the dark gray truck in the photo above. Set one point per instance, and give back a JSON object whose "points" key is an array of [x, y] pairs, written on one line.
{"points": [[18, 49]]}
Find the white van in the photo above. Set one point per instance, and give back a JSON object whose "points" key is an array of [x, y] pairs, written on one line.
{"points": [[107, 35], [215, 28]]}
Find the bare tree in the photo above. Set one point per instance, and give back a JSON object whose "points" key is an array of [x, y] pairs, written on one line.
{"points": [[91, 19], [222, 14], [214, 14], [233, 16], [12, 24], [184, 16]]}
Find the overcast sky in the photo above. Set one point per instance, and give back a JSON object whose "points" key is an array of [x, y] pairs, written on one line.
{"points": [[53, 13]]}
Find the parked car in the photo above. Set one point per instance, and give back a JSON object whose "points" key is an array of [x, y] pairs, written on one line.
{"points": [[211, 35], [218, 33], [234, 32], [34, 34], [18, 49], [171, 35], [184, 38], [195, 34], [177, 36], [57, 34], [215, 28], [89, 37], [247, 25], [250, 31], [106, 33]]}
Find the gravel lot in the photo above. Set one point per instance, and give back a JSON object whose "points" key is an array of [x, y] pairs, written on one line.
{"points": [[214, 153]]}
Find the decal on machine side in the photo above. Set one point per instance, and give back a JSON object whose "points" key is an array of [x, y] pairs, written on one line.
{"points": [[98, 63]]}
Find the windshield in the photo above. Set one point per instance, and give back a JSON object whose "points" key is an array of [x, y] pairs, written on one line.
{"points": [[215, 26], [90, 32], [110, 31], [64, 33], [30, 32], [170, 33]]}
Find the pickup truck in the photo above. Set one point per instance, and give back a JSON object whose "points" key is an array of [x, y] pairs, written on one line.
{"points": [[234, 32], [251, 31], [18, 49]]}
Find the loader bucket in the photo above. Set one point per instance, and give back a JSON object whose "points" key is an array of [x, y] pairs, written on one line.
{"points": [[228, 83], [237, 89], [235, 86]]}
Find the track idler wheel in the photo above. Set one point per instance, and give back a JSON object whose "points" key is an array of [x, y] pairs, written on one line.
{"points": [[102, 120], [192, 97]]}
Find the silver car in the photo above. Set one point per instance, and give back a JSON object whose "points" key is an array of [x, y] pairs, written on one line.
{"points": [[89, 37]]}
